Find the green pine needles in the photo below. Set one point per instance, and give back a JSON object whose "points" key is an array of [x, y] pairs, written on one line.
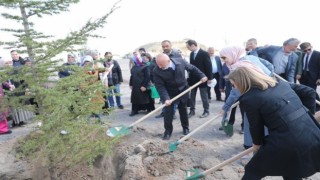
{"points": [[68, 135]]}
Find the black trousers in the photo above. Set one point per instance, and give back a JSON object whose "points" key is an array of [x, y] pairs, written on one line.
{"points": [[232, 116], [307, 81], [204, 98], [168, 116]]}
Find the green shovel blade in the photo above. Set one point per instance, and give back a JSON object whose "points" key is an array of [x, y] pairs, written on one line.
{"points": [[194, 174], [228, 129], [173, 146], [118, 131]]}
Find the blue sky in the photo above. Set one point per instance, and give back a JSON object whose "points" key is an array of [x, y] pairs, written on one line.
{"points": [[211, 22]]}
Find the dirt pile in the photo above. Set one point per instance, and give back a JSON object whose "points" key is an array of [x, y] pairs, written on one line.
{"points": [[141, 155], [151, 159]]}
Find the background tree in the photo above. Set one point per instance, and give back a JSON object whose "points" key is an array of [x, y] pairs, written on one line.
{"points": [[65, 106]]}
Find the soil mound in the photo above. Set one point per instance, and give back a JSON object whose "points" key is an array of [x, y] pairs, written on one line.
{"points": [[141, 158]]}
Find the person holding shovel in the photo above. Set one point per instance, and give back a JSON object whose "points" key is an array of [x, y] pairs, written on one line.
{"points": [[233, 57], [292, 147], [170, 81]]}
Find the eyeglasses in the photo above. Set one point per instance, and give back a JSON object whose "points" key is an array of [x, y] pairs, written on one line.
{"points": [[306, 50], [224, 58]]}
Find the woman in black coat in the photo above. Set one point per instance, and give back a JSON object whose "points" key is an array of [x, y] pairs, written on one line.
{"points": [[139, 83], [292, 148]]}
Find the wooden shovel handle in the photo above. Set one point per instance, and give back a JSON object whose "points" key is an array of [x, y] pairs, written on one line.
{"points": [[198, 128], [228, 161], [163, 105], [204, 124]]}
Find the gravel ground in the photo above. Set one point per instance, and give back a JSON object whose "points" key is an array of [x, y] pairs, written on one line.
{"points": [[215, 145]]}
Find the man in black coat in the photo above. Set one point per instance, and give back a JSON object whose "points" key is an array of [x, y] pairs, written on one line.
{"points": [[167, 49], [308, 69], [170, 81], [200, 59]]}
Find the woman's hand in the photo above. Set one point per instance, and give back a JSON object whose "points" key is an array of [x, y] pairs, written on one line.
{"points": [[256, 147]]}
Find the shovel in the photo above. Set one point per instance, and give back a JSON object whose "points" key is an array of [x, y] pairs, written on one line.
{"points": [[123, 130], [195, 174], [228, 128], [281, 78], [173, 146]]}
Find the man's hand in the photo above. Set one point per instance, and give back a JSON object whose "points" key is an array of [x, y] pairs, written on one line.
{"points": [[298, 76], [204, 79], [143, 89], [168, 102]]}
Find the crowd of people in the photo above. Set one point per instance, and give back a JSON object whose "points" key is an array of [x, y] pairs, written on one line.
{"points": [[18, 115], [277, 114]]}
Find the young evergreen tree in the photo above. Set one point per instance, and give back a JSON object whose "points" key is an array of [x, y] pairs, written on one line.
{"points": [[66, 137]]}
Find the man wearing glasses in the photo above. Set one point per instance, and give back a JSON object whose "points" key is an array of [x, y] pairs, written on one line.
{"points": [[308, 72]]}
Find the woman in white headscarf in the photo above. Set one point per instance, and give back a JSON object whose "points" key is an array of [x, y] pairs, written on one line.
{"points": [[234, 57]]}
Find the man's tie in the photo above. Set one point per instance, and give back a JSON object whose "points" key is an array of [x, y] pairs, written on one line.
{"points": [[194, 56], [306, 63]]}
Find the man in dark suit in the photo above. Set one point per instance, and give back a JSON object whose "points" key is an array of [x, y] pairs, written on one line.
{"points": [[167, 49], [308, 72], [283, 58], [216, 71], [201, 60], [169, 78]]}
